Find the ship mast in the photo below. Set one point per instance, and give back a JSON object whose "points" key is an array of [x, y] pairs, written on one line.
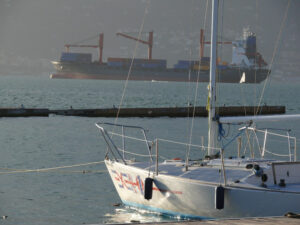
{"points": [[212, 123]]}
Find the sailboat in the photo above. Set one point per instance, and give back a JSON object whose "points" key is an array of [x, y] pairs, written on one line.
{"points": [[214, 187]]}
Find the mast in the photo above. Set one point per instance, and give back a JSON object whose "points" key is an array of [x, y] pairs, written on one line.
{"points": [[212, 123], [101, 39]]}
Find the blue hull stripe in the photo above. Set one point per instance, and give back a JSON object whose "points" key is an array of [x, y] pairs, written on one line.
{"points": [[166, 212]]}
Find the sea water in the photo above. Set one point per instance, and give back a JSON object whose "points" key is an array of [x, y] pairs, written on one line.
{"points": [[85, 194]]}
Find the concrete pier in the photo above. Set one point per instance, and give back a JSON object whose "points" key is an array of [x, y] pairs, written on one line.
{"points": [[198, 111], [23, 112]]}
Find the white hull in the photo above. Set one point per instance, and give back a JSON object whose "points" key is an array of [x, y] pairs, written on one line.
{"points": [[188, 198]]}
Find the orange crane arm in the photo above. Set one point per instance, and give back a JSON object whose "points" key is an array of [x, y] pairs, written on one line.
{"points": [[133, 38], [100, 46], [82, 46], [203, 42], [149, 42]]}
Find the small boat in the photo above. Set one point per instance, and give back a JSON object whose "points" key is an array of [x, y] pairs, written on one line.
{"points": [[212, 187]]}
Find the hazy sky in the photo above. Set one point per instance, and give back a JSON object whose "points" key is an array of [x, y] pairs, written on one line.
{"points": [[38, 29]]}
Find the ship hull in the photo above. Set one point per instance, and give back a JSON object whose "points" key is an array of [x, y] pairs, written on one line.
{"points": [[194, 199], [72, 70]]}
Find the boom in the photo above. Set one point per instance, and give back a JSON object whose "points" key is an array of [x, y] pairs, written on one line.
{"points": [[203, 42], [149, 42], [100, 46]]}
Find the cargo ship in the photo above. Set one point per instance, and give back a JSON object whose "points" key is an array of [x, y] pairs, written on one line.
{"points": [[247, 66]]}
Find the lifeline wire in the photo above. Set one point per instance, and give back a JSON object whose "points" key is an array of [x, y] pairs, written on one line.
{"points": [[49, 169]]}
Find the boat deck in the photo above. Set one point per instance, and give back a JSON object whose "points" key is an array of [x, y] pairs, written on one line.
{"points": [[235, 175], [208, 174]]}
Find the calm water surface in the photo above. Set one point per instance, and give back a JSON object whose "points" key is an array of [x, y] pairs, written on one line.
{"points": [[69, 196]]}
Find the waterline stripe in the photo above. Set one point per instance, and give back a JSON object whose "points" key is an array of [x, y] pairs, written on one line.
{"points": [[166, 212]]}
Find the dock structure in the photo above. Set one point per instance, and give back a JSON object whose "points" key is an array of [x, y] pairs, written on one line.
{"points": [[198, 111], [241, 221], [24, 112]]}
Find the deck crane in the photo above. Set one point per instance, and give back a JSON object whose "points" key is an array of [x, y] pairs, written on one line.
{"points": [[149, 42], [99, 46], [202, 42]]}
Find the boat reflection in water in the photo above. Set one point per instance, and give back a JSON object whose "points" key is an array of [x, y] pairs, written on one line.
{"points": [[128, 214]]}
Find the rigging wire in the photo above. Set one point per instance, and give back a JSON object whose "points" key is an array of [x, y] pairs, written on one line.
{"points": [[255, 72], [132, 60], [188, 106], [188, 92], [259, 108], [85, 40], [131, 65], [221, 54], [274, 53], [189, 79], [196, 90], [242, 88], [255, 75]]}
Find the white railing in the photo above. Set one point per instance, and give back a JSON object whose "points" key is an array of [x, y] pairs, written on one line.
{"points": [[114, 149], [263, 149], [118, 152]]}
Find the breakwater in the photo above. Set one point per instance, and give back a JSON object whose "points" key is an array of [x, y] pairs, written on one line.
{"points": [[198, 111]]}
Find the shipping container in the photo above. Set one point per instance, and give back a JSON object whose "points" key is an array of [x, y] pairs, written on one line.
{"points": [[191, 63], [205, 63], [116, 64], [202, 67], [76, 57], [153, 66], [205, 59], [221, 67], [137, 60], [225, 63], [181, 66], [186, 62], [110, 59], [66, 56]]}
